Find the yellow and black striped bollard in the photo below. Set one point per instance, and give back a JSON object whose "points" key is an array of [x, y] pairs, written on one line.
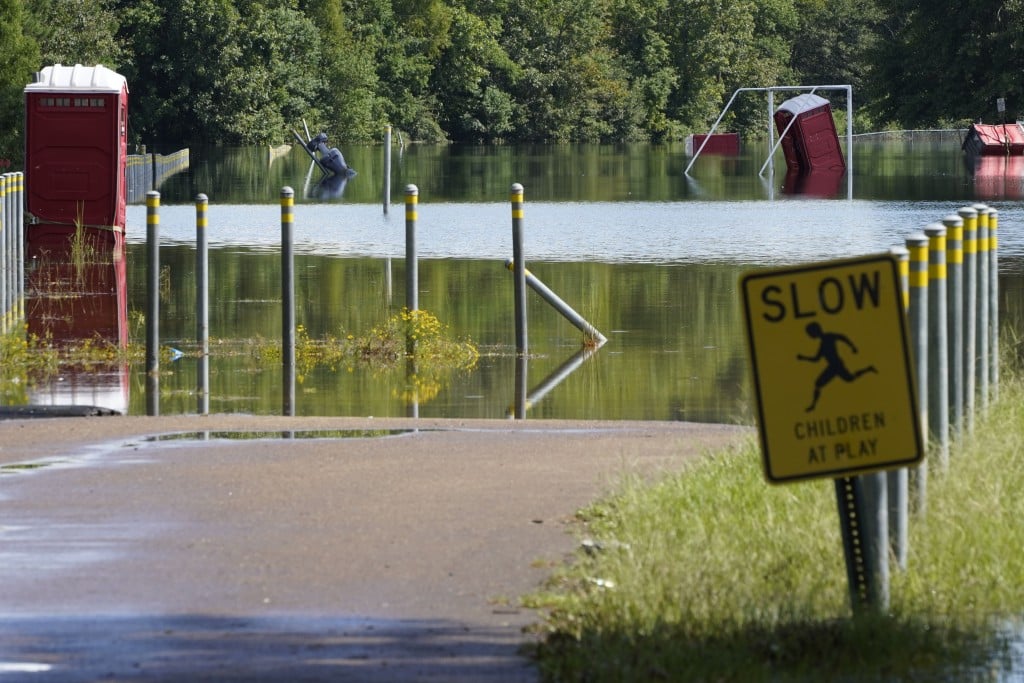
{"points": [[152, 302], [288, 301], [970, 313], [938, 365], [955, 319]]}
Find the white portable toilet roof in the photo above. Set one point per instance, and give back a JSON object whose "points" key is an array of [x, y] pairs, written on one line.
{"points": [[77, 78], [801, 103]]}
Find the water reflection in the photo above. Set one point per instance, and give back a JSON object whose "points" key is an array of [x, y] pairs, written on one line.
{"points": [[526, 399], [648, 256], [824, 183], [330, 187], [998, 177], [76, 295], [926, 166]]}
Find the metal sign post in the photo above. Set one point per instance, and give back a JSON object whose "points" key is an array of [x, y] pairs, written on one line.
{"points": [[836, 397]]}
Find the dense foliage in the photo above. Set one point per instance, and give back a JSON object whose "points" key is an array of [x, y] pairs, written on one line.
{"points": [[248, 71]]}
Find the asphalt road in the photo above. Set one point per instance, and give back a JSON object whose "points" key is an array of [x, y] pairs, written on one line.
{"points": [[241, 548]]}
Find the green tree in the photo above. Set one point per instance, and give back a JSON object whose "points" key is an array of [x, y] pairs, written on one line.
{"points": [[834, 43], [939, 61], [639, 39], [568, 86], [77, 32], [19, 60], [208, 71], [472, 105], [349, 104], [403, 39], [276, 73]]}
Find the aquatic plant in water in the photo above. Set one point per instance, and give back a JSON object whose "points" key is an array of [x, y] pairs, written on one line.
{"points": [[415, 343]]}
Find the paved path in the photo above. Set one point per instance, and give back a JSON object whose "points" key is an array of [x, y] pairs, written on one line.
{"points": [[330, 549]]}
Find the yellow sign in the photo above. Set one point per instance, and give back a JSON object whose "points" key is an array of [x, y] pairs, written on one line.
{"points": [[831, 366]]}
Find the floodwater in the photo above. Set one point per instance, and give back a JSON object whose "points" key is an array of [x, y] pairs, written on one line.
{"points": [[649, 256]]}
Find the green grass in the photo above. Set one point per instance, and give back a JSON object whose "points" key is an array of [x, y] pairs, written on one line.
{"points": [[711, 574]]}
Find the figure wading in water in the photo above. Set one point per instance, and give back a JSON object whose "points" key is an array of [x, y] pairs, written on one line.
{"points": [[828, 348]]}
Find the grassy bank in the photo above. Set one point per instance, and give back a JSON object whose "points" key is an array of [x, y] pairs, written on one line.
{"points": [[713, 575]]}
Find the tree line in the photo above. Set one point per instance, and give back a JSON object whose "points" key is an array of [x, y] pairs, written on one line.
{"points": [[242, 72]]}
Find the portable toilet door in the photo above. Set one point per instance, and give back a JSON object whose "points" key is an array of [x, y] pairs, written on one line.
{"points": [[76, 146], [811, 142]]}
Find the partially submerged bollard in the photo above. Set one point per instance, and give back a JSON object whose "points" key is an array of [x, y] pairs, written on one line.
{"points": [[202, 308], [152, 302], [592, 336], [519, 284], [7, 252], [387, 169], [519, 270], [287, 301], [412, 275]]}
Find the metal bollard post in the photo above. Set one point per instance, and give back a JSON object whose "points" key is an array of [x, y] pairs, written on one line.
{"points": [[970, 217], [19, 239], [152, 302], [897, 481], [412, 286], [902, 256], [519, 269], [12, 247], [519, 283], [993, 296], [917, 315], [938, 365], [202, 308], [8, 254], [981, 328], [288, 301], [9, 248], [955, 320], [412, 275], [6, 263], [387, 168], [591, 334]]}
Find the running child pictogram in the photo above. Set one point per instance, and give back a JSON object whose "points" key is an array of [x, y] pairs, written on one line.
{"points": [[828, 349]]}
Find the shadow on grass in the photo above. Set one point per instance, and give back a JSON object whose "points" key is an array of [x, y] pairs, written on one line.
{"points": [[870, 648]]}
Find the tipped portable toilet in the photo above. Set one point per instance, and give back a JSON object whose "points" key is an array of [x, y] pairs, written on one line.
{"points": [[76, 147], [811, 142]]}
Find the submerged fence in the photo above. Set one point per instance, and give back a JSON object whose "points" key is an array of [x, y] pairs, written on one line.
{"points": [[12, 250], [145, 172]]}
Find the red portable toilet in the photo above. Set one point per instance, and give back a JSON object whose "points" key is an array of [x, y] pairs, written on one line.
{"points": [[76, 147], [811, 141]]}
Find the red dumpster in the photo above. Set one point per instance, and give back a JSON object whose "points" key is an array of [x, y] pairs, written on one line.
{"points": [[717, 143], [811, 141], [1005, 139], [76, 146]]}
